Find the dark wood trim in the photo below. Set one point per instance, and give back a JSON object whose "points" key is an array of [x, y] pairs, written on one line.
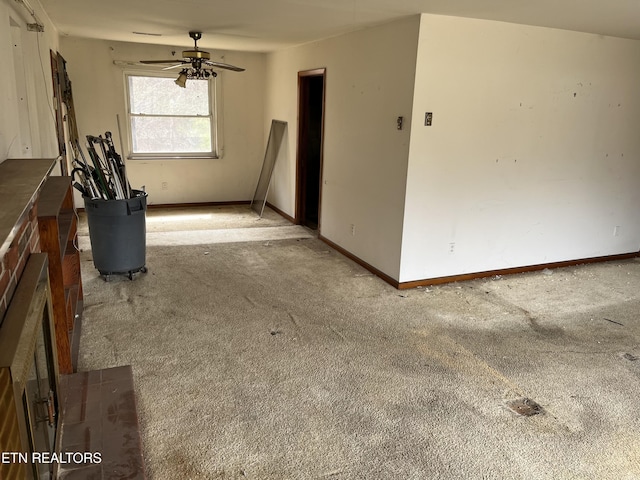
{"points": [[360, 262], [281, 213], [313, 72], [187, 205], [299, 207], [199, 204], [472, 276], [321, 179], [510, 271]]}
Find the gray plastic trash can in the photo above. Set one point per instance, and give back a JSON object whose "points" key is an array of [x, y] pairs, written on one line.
{"points": [[117, 229]]}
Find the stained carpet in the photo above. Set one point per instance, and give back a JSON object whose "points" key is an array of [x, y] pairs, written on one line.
{"points": [[282, 359]]}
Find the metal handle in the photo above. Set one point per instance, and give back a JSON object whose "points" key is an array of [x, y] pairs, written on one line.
{"points": [[51, 409]]}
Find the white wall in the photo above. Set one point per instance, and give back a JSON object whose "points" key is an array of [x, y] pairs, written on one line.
{"points": [[98, 92], [369, 83], [534, 152], [27, 124]]}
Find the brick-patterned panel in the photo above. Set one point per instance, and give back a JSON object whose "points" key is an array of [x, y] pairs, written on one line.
{"points": [[11, 288], [26, 241], [35, 238], [11, 258], [5, 276], [33, 213]]}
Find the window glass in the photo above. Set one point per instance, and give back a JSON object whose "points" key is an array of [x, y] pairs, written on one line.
{"points": [[168, 120], [171, 134]]}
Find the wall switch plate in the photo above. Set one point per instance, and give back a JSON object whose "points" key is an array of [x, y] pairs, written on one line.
{"points": [[399, 122], [428, 119]]}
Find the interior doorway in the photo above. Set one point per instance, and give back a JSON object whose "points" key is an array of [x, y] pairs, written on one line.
{"points": [[310, 147]]}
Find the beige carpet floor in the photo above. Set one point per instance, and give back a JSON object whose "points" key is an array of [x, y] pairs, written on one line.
{"points": [[282, 359]]}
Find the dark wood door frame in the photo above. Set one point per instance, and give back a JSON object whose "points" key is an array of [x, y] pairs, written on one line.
{"points": [[303, 97]]}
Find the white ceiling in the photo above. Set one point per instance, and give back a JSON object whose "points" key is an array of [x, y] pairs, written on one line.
{"points": [[265, 25]]}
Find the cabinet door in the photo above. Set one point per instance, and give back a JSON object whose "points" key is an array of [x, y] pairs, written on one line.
{"points": [[41, 405]]}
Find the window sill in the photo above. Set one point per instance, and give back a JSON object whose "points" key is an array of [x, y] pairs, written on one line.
{"points": [[172, 157]]}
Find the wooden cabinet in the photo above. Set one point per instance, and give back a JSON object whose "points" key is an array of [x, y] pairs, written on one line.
{"points": [[58, 223]]}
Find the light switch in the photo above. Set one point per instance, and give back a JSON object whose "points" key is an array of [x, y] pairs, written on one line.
{"points": [[428, 118]]}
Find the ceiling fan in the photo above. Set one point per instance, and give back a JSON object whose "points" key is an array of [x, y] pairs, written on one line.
{"points": [[196, 63]]}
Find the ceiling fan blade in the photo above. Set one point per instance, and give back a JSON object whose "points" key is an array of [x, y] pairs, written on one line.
{"points": [[152, 62], [175, 66], [226, 66]]}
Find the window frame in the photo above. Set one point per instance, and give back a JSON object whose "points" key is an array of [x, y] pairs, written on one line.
{"points": [[214, 114]]}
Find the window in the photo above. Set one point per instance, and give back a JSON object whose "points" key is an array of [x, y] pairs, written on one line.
{"points": [[168, 121]]}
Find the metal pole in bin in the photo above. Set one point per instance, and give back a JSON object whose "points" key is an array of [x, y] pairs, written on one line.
{"points": [[117, 230]]}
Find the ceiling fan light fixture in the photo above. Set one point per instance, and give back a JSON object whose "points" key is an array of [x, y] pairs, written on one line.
{"points": [[181, 81]]}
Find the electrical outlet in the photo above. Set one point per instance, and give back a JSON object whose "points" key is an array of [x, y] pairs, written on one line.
{"points": [[353, 230], [165, 186], [452, 247], [616, 231]]}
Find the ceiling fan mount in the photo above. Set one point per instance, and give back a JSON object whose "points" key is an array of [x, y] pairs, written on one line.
{"points": [[196, 53]]}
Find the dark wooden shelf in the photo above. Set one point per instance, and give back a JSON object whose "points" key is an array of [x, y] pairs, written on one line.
{"points": [[71, 295], [58, 225], [65, 224]]}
